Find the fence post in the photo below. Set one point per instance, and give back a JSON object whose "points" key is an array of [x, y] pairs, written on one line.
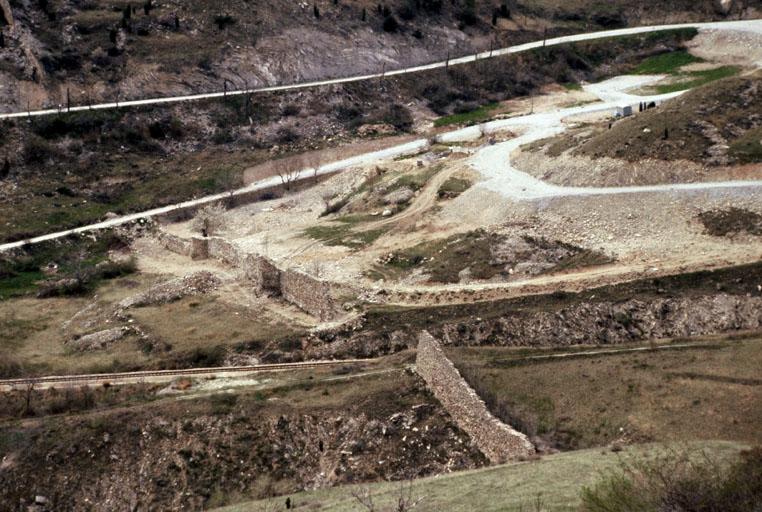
{"points": [[68, 101], [447, 62]]}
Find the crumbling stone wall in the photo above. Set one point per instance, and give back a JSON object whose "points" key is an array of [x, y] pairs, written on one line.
{"points": [[222, 250], [309, 293], [316, 297], [174, 243], [262, 272], [495, 439]]}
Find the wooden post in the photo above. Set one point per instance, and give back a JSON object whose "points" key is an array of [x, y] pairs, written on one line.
{"points": [[68, 101], [447, 62]]}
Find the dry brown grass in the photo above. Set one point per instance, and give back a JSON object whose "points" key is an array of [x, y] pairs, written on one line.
{"points": [[707, 392]]}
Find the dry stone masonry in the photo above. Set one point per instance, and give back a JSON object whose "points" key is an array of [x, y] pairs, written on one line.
{"points": [[319, 298], [495, 439]]}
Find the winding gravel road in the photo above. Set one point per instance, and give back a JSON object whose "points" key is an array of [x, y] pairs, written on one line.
{"points": [[492, 161]]}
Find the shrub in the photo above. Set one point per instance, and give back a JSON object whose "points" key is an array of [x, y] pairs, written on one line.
{"points": [[37, 150], [391, 24], [287, 135], [223, 21], [398, 116], [291, 109], [680, 481]]}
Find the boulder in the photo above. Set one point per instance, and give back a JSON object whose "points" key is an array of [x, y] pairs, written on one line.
{"points": [[399, 196]]}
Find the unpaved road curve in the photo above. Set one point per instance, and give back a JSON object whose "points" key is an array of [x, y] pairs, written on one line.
{"points": [[745, 26], [492, 162]]}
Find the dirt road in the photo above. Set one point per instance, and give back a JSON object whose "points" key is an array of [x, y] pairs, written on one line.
{"points": [[741, 26]]}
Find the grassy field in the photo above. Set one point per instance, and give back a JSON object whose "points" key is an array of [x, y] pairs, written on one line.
{"points": [[710, 391], [555, 481], [666, 63], [205, 329], [693, 79], [471, 117]]}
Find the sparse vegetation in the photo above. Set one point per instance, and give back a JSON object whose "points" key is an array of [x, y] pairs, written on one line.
{"points": [[72, 266], [680, 480], [453, 187], [480, 255], [730, 222], [612, 394]]}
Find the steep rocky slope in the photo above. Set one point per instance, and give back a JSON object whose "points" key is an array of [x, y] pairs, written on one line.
{"points": [[104, 50]]}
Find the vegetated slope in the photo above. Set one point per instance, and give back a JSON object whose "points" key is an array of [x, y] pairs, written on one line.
{"points": [[717, 124], [67, 170], [700, 303], [207, 451], [551, 484], [104, 50]]}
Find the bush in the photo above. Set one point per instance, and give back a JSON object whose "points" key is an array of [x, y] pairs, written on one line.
{"points": [[398, 116], [37, 150], [287, 135], [680, 481], [223, 21], [391, 24]]}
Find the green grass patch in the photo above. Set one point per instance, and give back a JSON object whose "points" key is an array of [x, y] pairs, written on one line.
{"points": [[666, 63], [474, 116], [697, 79], [343, 235], [748, 149], [415, 181], [572, 86], [453, 187]]}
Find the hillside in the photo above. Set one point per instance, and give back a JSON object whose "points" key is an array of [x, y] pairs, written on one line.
{"points": [[99, 50], [717, 124], [72, 169]]}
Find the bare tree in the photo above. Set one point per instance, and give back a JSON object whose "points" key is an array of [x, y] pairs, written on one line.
{"points": [[209, 220], [288, 170], [404, 501], [29, 393], [314, 163], [328, 196]]}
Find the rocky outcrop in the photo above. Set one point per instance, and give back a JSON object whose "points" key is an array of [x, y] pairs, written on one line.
{"points": [[101, 339], [172, 290], [495, 439]]}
